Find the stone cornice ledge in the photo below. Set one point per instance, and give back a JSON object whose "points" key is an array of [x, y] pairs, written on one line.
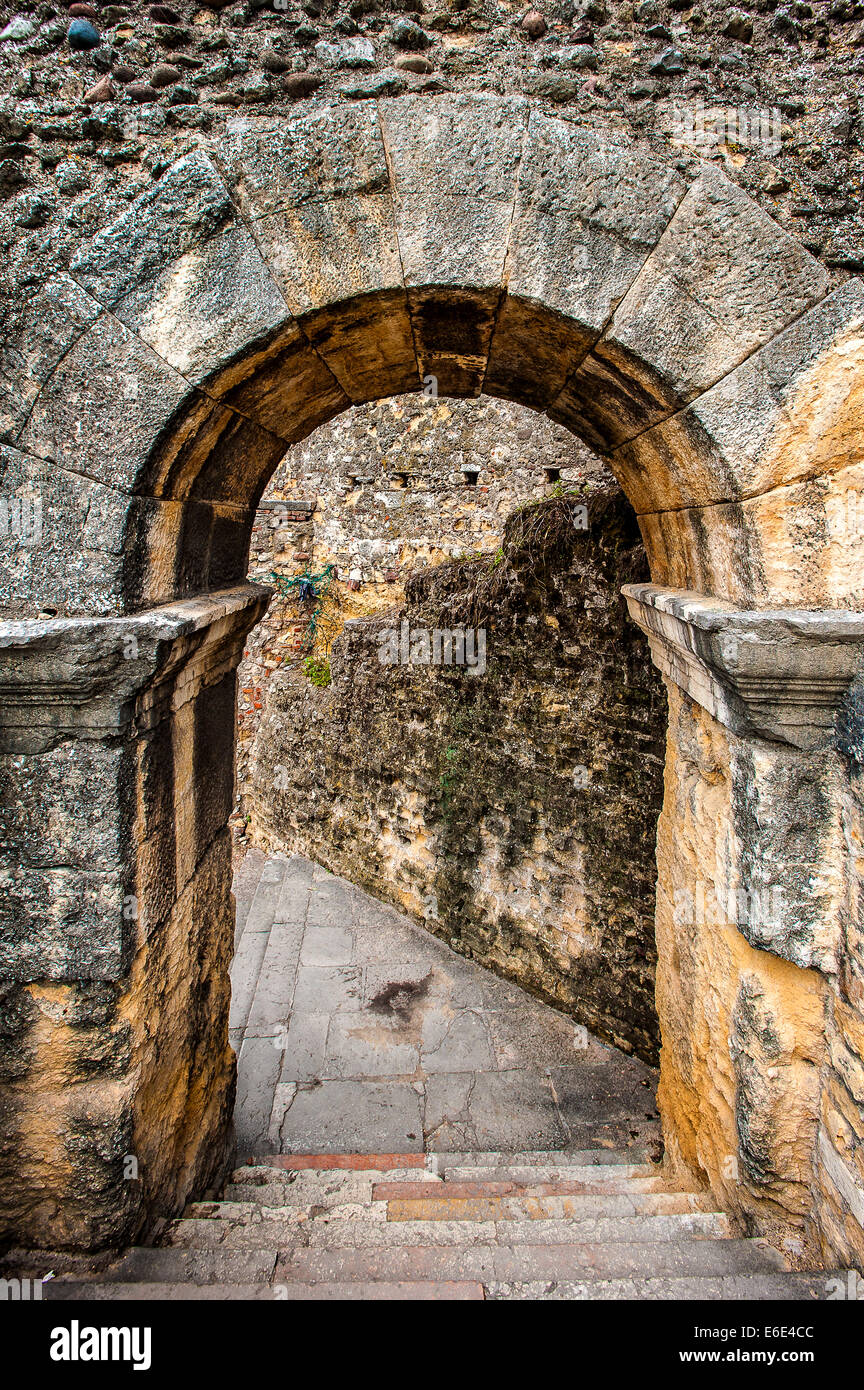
{"points": [[90, 677], [780, 673]]}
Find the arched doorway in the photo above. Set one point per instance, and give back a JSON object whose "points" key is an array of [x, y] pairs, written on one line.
{"points": [[465, 244]]}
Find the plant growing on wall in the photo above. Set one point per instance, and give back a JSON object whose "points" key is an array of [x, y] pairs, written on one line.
{"points": [[318, 671], [311, 593]]}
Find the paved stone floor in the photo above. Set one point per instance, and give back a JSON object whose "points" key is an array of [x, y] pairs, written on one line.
{"points": [[357, 1031]]}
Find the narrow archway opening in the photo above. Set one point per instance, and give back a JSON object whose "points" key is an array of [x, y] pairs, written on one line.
{"points": [[449, 773]]}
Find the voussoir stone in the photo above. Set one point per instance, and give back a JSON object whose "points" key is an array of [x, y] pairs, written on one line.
{"points": [[454, 164], [201, 311], [189, 204], [286, 387], [789, 412], [723, 274], [109, 387], [49, 325], [587, 215], [318, 196], [782, 431]]}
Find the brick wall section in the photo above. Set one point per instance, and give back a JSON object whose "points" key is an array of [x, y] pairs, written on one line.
{"points": [[514, 812]]}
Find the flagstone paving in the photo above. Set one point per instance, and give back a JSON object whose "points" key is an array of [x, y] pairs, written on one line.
{"points": [[359, 1032]]}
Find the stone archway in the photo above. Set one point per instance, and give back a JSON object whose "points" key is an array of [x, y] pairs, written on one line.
{"points": [[260, 287]]}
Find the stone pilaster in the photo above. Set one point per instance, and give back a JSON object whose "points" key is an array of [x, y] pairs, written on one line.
{"points": [[116, 923], [753, 878]]}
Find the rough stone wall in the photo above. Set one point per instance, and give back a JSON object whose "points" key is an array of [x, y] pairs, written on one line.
{"points": [[513, 811], [85, 131], [388, 488]]}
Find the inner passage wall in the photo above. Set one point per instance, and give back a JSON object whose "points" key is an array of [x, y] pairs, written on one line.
{"points": [[382, 490], [512, 810]]}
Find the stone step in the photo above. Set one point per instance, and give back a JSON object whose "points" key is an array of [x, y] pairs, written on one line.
{"points": [[349, 1189], [275, 1196], [443, 1207], [747, 1287], [728, 1288], [542, 1158], [313, 1186], [606, 1173], [329, 1189], [144, 1264], [632, 1161], [354, 1291], [357, 1205], [355, 1162], [567, 1187], [70, 1291], [605, 1176], [575, 1262], [362, 1229]]}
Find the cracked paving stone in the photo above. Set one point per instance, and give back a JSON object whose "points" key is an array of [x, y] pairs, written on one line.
{"points": [[354, 1117], [358, 1031]]}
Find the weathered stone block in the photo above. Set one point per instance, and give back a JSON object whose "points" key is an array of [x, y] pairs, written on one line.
{"points": [[185, 207], [791, 411], [321, 252], [368, 344], [49, 324], [39, 797], [317, 195], [738, 1097], [104, 407], [453, 330], [285, 386], [454, 165], [781, 673], [724, 275], [67, 543], [208, 308], [532, 353], [588, 213]]}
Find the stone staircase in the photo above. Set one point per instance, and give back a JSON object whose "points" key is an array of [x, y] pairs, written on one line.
{"points": [[543, 1225]]}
